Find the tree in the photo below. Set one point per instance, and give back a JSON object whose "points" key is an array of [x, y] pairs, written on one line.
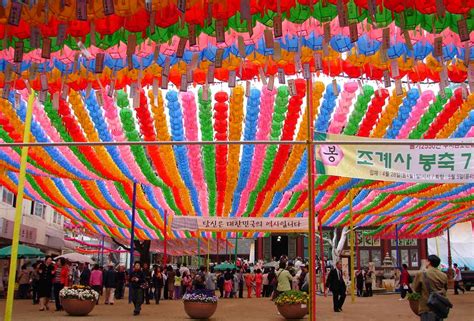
{"points": [[337, 246], [142, 247]]}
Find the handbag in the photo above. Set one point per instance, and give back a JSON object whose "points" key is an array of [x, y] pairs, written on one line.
{"points": [[437, 302]]}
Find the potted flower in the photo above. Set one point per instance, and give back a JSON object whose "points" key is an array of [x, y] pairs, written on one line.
{"points": [[78, 299], [292, 304], [413, 299], [200, 304]]}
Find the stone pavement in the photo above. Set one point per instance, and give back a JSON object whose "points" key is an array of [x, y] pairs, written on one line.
{"points": [[377, 308]]}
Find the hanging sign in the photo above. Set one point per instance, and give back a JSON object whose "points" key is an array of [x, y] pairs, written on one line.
{"points": [[220, 36], [192, 35], [15, 14], [220, 224], [232, 78], [18, 54], [277, 27], [281, 76], [271, 81], [268, 35], [219, 54], [108, 7], [463, 30], [81, 10], [414, 162]]}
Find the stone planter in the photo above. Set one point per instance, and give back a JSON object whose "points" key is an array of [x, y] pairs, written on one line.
{"points": [[199, 310], [414, 306], [77, 307], [293, 311]]}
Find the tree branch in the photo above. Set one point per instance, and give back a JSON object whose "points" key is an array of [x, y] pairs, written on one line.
{"points": [[120, 244]]}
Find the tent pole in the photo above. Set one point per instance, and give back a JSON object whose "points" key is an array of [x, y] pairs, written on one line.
{"points": [[351, 196], [19, 209], [199, 252], [132, 234], [397, 246], [165, 241], [236, 245], [312, 229], [321, 250]]}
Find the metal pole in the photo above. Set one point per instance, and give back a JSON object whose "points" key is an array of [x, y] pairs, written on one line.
{"points": [[311, 219], [351, 196], [132, 234], [208, 251], [321, 247], [165, 241], [102, 251], [397, 246], [199, 252], [236, 246], [18, 210]]}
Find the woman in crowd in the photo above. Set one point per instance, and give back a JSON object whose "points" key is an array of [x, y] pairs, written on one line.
{"points": [[157, 281], [172, 276], [23, 282], [360, 282], [220, 283], [368, 281], [228, 283], [235, 285], [258, 283], [265, 283], [45, 282], [284, 279], [96, 280], [405, 280], [187, 282], [271, 282], [137, 281], [211, 280], [249, 279]]}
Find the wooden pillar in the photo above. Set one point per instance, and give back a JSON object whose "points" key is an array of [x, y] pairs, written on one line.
{"points": [[423, 246], [260, 248], [300, 246]]}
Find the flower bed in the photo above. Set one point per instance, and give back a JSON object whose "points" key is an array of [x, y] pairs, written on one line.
{"points": [[292, 304], [200, 304], [78, 300]]}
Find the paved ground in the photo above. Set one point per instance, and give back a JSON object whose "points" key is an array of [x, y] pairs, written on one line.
{"points": [[378, 308]]}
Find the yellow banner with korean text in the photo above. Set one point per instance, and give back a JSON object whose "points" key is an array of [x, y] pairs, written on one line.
{"points": [[419, 161]]}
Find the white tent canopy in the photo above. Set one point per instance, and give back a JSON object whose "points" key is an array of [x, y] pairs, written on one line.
{"points": [[462, 245]]}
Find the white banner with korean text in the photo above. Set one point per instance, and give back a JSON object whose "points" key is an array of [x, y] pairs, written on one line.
{"points": [[238, 224], [417, 161]]}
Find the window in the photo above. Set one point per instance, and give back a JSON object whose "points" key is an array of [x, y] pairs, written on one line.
{"points": [[38, 209], [57, 218], [8, 197]]}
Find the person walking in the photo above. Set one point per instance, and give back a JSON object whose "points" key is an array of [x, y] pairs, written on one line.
{"points": [[211, 280], [61, 279], [368, 282], [457, 280], [23, 280], [157, 282], [258, 283], [271, 282], [228, 283], [45, 282], [432, 279], [405, 280], [284, 278], [335, 282], [85, 275], [137, 281], [265, 283], [110, 283], [220, 283], [235, 285], [120, 279], [147, 285], [174, 283], [34, 283], [360, 282], [96, 280]]}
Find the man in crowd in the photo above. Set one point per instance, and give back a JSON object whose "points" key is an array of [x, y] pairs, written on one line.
{"points": [[335, 282]]}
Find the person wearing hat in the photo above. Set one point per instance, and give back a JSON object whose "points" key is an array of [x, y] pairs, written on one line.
{"points": [[110, 283]]}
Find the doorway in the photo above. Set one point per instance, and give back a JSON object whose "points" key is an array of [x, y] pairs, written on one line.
{"points": [[279, 245]]}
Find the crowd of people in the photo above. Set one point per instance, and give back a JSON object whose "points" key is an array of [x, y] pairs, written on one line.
{"points": [[147, 283]]}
